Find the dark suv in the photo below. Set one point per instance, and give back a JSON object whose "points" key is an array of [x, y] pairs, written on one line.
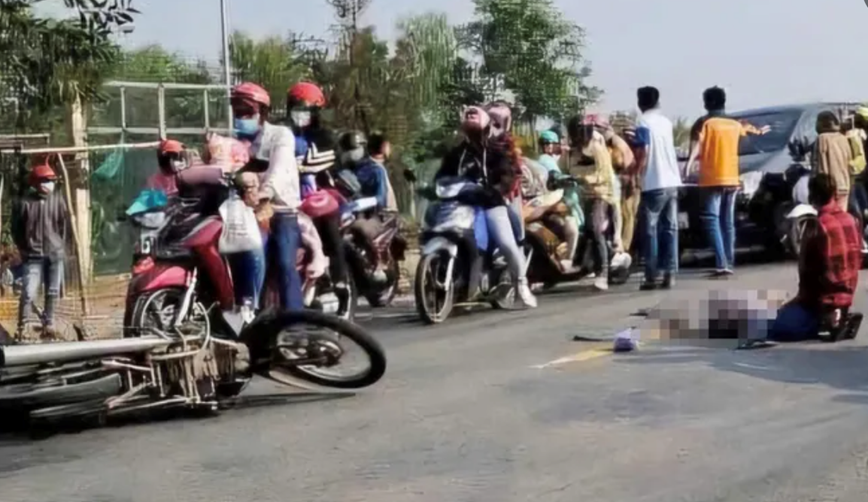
{"points": [[764, 201]]}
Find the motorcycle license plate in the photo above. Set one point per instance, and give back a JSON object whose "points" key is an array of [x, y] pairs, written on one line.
{"points": [[683, 221]]}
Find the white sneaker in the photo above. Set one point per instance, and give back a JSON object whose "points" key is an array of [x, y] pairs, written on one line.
{"points": [[602, 283], [524, 294], [568, 267]]}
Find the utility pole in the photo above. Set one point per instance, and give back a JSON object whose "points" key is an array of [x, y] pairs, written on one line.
{"points": [[227, 64]]}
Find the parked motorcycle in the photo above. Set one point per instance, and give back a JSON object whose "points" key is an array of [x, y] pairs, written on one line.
{"points": [[800, 211], [457, 257], [179, 367], [545, 222]]}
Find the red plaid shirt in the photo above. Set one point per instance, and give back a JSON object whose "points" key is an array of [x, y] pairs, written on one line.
{"points": [[831, 259]]}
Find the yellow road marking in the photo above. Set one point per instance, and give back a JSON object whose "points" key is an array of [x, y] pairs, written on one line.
{"points": [[585, 355]]}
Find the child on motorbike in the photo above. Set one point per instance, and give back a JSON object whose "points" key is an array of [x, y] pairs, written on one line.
{"points": [[589, 160], [493, 169], [171, 160]]}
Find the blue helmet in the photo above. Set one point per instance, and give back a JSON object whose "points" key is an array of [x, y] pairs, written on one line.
{"points": [[549, 137]]}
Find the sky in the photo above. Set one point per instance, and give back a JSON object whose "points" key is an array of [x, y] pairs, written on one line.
{"points": [[763, 52]]}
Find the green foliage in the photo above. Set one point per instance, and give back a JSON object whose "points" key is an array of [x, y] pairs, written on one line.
{"points": [[530, 49], [273, 62]]}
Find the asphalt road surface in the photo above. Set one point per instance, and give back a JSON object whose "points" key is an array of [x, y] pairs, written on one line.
{"points": [[501, 407]]}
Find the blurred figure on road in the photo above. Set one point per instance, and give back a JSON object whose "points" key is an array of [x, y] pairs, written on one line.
{"points": [[657, 167], [833, 155], [40, 225], [829, 264], [714, 143]]}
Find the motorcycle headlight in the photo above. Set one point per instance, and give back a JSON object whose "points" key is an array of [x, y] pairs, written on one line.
{"points": [[750, 182]]}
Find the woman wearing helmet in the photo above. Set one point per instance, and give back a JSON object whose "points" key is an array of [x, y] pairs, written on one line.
{"points": [[482, 161], [316, 153], [548, 141], [171, 160], [273, 154], [589, 160]]}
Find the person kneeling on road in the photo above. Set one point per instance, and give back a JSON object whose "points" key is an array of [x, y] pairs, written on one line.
{"points": [[829, 264], [591, 163]]}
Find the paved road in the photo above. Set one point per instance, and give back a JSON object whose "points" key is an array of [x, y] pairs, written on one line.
{"points": [[467, 413]]}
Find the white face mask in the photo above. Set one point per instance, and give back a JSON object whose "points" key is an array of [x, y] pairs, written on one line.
{"points": [[179, 165], [47, 187], [300, 118]]}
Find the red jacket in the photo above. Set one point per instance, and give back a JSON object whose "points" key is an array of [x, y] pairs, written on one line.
{"points": [[830, 260]]}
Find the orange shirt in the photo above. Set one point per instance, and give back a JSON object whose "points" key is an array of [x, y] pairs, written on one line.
{"points": [[718, 138]]}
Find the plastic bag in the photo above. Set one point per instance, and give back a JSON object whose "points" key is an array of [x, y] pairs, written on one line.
{"points": [[240, 228]]}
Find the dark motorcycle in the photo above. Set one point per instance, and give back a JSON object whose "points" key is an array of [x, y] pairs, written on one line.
{"points": [[389, 246], [545, 223]]}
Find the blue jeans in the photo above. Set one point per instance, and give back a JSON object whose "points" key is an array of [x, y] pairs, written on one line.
{"points": [[660, 219], [283, 245], [248, 276], [795, 323], [46, 272], [718, 217]]}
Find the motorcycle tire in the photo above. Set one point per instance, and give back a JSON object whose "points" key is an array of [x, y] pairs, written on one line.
{"points": [[342, 330], [419, 287], [619, 276], [383, 298], [794, 235]]}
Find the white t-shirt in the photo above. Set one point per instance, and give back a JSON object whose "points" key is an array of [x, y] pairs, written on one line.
{"points": [[276, 144], [654, 130]]}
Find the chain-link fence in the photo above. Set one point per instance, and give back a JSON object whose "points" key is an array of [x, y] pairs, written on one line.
{"points": [[98, 184]]}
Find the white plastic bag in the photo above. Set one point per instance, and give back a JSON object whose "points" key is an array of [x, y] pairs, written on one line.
{"points": [[240, 229]]}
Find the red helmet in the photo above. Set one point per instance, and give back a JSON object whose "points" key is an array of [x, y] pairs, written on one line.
{"points": [[306, 92], [170, 146], [248, 91], [42, 172]]}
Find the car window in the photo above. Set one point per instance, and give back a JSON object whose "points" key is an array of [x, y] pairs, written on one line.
{"points": [[808, 127], [780, 124]]}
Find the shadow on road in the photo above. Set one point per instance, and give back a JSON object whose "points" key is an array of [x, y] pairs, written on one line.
{"points": [[21, 431], [839, 367]]}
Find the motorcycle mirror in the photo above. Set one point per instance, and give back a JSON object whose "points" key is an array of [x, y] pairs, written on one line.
{"points": [[409, 175]]}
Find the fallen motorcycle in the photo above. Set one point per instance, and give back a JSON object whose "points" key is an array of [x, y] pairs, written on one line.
{"points": [[179, 367]]}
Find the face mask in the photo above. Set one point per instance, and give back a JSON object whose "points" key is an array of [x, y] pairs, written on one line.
{"points": [[178, 165], [248, 128], [46, 187], [300, 118]]}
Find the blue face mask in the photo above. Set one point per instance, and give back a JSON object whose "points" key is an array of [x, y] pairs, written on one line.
{"points": [[248, 128]]}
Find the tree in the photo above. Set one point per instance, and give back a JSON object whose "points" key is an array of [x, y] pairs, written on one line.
{"points": [[681, 132], [48, 63], [274, 63], [527, 47]]}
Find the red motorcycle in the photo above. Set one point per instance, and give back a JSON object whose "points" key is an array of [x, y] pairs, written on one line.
{"points": [[178, 264]]}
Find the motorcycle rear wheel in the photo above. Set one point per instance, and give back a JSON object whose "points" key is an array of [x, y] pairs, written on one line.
{"points": [[341, 330], [384, 297]]}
